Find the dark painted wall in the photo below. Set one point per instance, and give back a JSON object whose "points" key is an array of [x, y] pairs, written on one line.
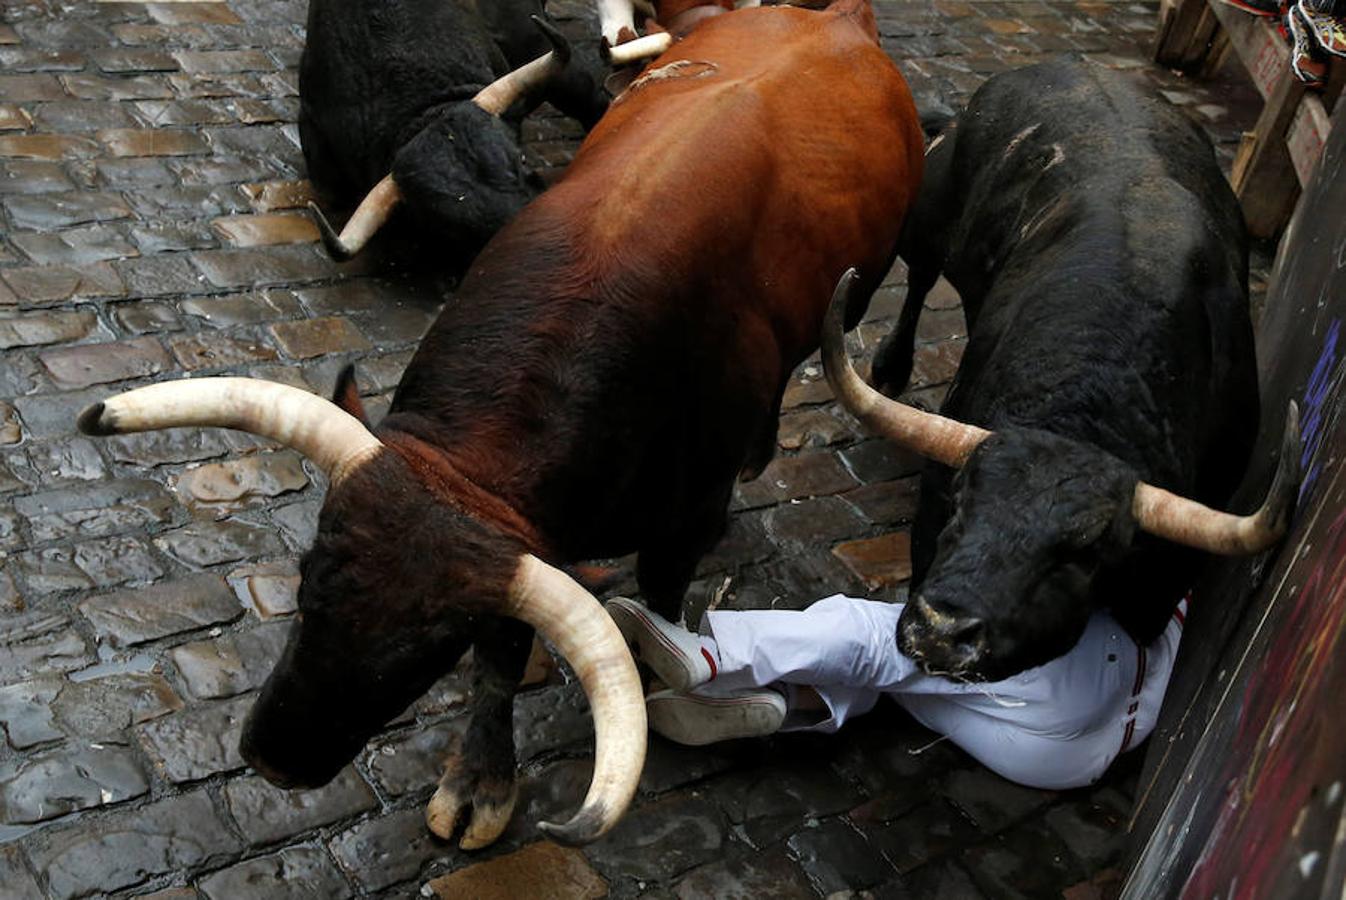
{"points": [[1244, 779]]}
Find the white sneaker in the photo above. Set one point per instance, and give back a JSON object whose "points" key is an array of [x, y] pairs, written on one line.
{"points": [[698, 718], [675, 654]]}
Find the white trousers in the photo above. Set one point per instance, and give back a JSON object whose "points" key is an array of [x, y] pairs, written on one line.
{"points": [[1056, 726]]}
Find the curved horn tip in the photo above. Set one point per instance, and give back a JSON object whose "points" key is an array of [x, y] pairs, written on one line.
{"points": [[559, 44], [586, 826], [1284, 490], [330, 238], [834, 355], [91, 421]]}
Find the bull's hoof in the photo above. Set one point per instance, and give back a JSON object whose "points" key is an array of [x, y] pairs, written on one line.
{"points": [[483, 803]]}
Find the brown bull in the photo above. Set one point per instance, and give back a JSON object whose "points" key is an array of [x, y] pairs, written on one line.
{"points": [[613, 361]]}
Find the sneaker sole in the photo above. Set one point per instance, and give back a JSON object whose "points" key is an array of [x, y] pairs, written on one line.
{"points": [[696, 721]]}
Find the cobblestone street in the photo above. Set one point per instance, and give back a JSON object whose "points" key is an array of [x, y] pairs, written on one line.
{"points": [[151, 227]]}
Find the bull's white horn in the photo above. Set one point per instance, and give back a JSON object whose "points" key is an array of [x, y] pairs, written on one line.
{"points": [[335, 440], [368, 218], [933, 436], [1185, 521], [571, 618], [501, 94], [647, 47]]}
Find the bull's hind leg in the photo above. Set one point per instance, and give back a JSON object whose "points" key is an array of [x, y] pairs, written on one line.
{"points": [[478, 784], [893, 359]]}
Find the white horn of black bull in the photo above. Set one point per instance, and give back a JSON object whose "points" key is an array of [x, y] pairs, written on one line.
{"points": [[335, 440], [1185, 521], [1156, 510], [501, 94], [933, 436], [647, 47], [573, 620], [371, 215]]}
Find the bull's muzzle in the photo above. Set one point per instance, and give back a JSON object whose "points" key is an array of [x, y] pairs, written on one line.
{"points": [[941, 640]]}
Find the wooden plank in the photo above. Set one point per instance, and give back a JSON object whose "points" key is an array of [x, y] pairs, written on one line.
{"points": [[1187, 28], [1308, 133], [1259, 47], [1263, 175], [1249, 743]]}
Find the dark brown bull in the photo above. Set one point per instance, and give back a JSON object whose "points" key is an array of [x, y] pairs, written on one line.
{"points": [[614, 359]]}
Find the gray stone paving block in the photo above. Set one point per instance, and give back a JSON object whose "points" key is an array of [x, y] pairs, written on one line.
{"points": [[196, 742], [927, 832], [299, 522], [48, 415], [383, 851], [252, 308], [14, 875], [291, 874], [86, 244], [146, 317], [74, 459], [942, 880], [211, 543], [549, 793], [669, 765], [991, 801], [879, 460], [76, 776], [237, 483], [160, 275], [551, 719], [106, 507], [810, 523], [38, 643], [1026, 861], [232, 663], [36, 328], [793, 477], [174, 445], [50, 708], [25, 176], [270, 265], [414, 761], [125, 173], [124, 848], [1094, 829], [103, 562], [661, 840], [836, 858], [770, 801], [48, 211], [267, 814], [746, 876], [143, 614]]}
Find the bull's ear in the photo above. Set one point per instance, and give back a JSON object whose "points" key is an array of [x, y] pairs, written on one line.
{"points": [[347, 395]]}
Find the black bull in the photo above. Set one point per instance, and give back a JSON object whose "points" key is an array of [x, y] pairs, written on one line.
{"points": [[1102, 263], [387, 91]]}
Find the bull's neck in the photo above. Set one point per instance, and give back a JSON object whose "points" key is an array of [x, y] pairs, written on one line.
{"points": [[449, 484], [680, 16]]}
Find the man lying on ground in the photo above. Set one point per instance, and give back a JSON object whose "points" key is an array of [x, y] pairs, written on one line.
{"points": [[753, 673]]}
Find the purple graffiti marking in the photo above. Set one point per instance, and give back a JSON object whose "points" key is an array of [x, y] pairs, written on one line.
{"points": [[1316, 394]]}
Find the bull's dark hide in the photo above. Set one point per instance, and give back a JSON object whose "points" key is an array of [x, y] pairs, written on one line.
{"points": [[1102, 264], [386, 87]]}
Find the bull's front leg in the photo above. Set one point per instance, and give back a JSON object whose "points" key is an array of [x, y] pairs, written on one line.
{"points": [[478, 780]]}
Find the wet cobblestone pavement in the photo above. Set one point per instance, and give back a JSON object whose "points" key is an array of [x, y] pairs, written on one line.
{"points": [[151, 193]]}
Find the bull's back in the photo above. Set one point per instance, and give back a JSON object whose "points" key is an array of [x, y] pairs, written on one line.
{"points": [[789, 126]]}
